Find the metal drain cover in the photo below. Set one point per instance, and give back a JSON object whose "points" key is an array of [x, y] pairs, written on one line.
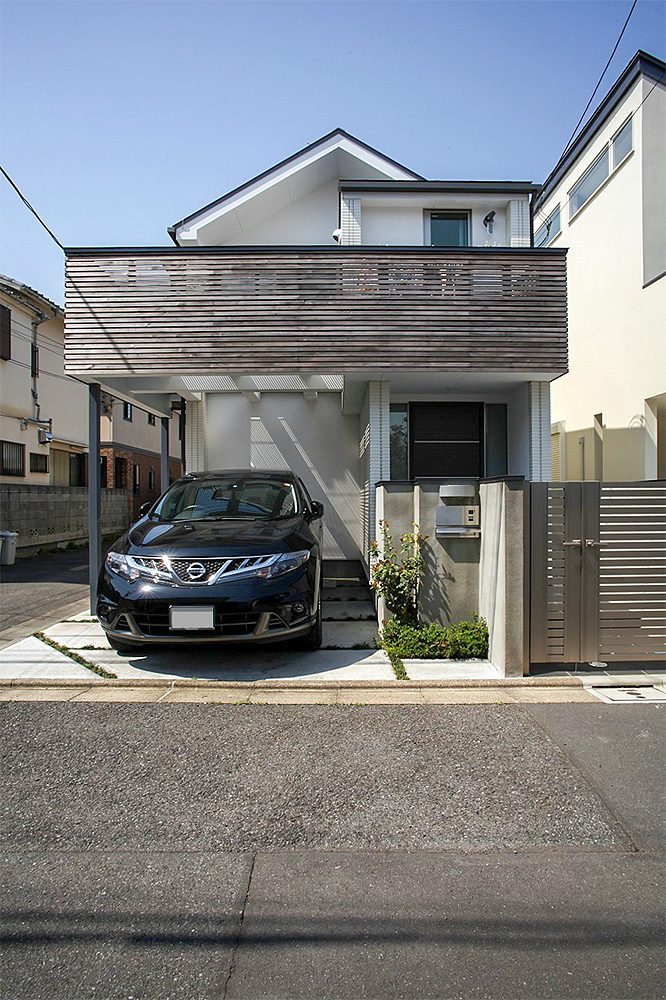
{"points": [[615, 695]]}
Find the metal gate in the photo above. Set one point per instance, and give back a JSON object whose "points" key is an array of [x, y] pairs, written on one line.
{"points": [[598, 572]]}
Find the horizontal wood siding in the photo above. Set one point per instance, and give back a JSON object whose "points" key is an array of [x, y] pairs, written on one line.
{"points": [[282, 309]]}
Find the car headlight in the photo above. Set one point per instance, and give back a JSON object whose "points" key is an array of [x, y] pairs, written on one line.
{"points": [[158, 570], [117, 563], [283, 564]]}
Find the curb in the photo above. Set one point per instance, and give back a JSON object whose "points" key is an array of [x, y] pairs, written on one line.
{"points": [[623, 680]]}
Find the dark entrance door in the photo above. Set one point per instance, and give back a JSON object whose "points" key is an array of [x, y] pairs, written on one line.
{"points": [[446, 440]]}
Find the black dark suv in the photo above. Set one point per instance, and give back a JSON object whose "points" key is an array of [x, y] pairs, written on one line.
{"points": [[220, 557]]}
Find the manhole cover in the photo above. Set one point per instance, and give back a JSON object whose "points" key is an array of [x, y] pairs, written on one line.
{"points": [[628, 694]]}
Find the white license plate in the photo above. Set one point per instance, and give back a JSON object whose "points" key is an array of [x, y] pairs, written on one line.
{"points": [[194, 618]]}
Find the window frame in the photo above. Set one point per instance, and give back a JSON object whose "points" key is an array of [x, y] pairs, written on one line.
{"points": [[628, 121], [574, 211], [40, 455], [18, 471], [151, 419], [128, 412], [465, 213]]}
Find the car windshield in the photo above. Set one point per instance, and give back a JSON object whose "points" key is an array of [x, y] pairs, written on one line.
{"points": [[228, 499]]}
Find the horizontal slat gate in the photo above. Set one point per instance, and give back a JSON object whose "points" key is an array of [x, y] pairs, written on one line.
{"points": [[191, 311], [598, 576], [632, 571]]}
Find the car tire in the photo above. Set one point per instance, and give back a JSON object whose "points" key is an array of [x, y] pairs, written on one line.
{"points": [[313, 637], [123, 647]]}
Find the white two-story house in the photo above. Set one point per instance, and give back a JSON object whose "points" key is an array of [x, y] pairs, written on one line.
{"points": [[43, 423], [606, 202], [341, 316]]}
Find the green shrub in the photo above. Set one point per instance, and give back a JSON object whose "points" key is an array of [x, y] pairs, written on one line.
{"points": [[468, 640], [463, 641], [421, 641]]}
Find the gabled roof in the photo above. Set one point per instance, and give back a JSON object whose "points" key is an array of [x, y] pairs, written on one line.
{"points": [[337, 139], [642, 64], [31, 296]]}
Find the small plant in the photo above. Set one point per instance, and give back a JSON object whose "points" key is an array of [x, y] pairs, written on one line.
{"points": [[396, 575]]}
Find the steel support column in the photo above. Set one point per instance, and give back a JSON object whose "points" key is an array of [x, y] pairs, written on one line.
{"points": [[183, 418], [94, 492], [164, 455]]}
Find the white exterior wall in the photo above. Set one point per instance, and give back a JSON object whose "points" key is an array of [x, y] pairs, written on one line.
{"points": [[616, 326], [312, 437], [308, 221], [61, 398], [137, 432], [401, 220]]}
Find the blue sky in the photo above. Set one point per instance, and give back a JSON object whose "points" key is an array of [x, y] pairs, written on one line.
{"points": [[119, 118]]}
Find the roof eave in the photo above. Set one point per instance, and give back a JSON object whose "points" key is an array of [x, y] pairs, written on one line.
{"points": [[172, 230], [641, 64]]}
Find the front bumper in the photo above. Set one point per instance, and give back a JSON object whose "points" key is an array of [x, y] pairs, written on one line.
{"points": [[251, 610]]}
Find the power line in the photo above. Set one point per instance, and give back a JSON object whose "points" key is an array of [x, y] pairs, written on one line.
{"points": [[28, 205], [566, 148]]}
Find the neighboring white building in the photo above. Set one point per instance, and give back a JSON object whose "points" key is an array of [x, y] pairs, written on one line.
{"points": [[606, 201], [43, 411]]}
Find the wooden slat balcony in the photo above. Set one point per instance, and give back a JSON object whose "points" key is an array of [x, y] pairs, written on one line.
{"points": [[284, 309]]}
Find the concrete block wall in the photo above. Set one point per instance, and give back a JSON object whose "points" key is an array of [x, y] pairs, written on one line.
{"points": [[55, 515]]}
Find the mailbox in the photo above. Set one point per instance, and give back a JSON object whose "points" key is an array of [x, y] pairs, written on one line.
{"points": [[454, 519]]}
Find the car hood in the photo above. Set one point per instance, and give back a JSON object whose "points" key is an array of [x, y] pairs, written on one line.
{"points": [[208, 539]]}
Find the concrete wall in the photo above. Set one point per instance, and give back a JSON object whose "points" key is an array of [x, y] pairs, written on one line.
{"points": [[502, 573], [450, 588], [312, 437], [462, 576], [55, 515]]}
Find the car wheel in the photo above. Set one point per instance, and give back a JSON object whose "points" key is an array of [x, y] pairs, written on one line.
{"points": [[123, 647], [313, 638]]}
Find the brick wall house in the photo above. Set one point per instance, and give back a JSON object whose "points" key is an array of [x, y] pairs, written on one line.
{"points": [[136, 471]]}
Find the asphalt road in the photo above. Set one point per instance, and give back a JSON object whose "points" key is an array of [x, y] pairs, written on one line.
{"points": [[193, 851]]}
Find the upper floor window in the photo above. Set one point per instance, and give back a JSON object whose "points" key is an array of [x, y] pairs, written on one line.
{"points": [[127, 411], [622, 143], [151, 418], [549, 230], [591, 180], [5, 333], [448, 229]]}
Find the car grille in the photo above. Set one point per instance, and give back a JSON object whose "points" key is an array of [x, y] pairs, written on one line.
{"points": [[226, 623], [182, 567], [195, 572]]}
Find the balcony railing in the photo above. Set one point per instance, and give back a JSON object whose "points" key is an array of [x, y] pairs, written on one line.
{"points": [[282, 309]]}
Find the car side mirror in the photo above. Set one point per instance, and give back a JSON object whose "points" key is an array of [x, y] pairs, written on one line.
{"points": [[144, 508], [317, 509]]}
